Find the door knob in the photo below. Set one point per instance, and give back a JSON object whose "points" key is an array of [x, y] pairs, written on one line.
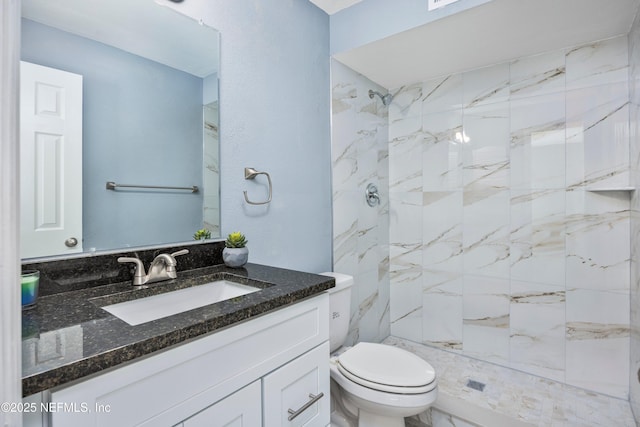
{"points": [[71, 242]]}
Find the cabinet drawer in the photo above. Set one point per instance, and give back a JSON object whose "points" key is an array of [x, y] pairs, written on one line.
{"points": [[287, 390], [241, 409]]}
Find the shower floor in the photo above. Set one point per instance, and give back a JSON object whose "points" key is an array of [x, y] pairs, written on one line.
{"points": [[511, 397]]}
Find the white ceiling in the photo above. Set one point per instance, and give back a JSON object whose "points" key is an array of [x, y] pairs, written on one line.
{"points": [[333, 6], [495, 32]]}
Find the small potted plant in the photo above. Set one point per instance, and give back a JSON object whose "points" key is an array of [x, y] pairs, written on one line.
{"points": [[202, 234], [235, 254]]}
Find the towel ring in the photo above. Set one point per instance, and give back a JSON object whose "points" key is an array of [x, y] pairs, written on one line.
{"points": [[251, 173]]}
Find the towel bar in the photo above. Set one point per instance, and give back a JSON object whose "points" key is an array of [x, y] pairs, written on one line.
{"points": [[112, 186]]}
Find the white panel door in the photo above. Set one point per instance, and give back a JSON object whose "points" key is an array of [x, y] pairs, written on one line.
{"points": [[50, 161]]}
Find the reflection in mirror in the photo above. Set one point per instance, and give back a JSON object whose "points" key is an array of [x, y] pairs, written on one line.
{"points": [[147, 114]]}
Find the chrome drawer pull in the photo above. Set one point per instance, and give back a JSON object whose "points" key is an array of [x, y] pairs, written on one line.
{"points": [[313, 399]]}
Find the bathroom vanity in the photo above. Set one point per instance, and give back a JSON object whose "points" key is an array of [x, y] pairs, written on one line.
{"points": [[261, 358]]}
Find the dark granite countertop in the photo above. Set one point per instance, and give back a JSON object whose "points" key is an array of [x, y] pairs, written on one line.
{"points": [[67, 336]]}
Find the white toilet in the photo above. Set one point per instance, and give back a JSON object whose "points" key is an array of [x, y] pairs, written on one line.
{"points": [[373, 385]]}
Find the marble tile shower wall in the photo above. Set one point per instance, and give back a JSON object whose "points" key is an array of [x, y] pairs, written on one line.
{"points": [[211, 174], [359, 156], [498, 248], [634, 120]]}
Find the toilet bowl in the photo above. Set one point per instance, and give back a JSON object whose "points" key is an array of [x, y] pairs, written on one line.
{"points": [[373, 384], [381, 385]]}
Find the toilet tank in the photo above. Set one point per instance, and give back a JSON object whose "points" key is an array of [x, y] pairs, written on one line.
{"points": [[340, 306]]}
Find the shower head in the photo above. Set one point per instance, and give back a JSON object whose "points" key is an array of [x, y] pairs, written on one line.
{"points": [[386, 99]]}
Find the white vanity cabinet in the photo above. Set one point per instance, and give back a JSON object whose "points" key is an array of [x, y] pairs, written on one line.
{"points": [[256, 370]]}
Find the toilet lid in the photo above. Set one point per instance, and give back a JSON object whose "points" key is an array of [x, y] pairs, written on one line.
{"points": [[387, 368]]}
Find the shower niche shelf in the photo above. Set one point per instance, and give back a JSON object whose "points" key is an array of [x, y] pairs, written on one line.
{"points": [[610, 189]]}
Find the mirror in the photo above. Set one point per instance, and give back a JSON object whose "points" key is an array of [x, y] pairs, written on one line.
{"points": [[150, 117]]}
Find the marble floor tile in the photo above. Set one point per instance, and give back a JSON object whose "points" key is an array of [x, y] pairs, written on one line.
{"points": [[519, 396]]}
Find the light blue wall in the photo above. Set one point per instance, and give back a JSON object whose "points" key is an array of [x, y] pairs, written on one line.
{"points": [[162, 146], [275, 117], [372, 20], [210, 89]]}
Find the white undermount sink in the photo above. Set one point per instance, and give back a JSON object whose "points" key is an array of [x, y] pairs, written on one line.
{"points": [[158, 306]]}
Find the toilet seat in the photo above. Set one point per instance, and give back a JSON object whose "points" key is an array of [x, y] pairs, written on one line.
{"points": [[386, 368], [381, 400]]}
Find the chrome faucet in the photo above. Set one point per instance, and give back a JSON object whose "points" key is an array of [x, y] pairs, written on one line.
{"points": [[163, 267]]}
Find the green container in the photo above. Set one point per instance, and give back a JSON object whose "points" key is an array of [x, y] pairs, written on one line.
{"points": [[30, 280]]}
